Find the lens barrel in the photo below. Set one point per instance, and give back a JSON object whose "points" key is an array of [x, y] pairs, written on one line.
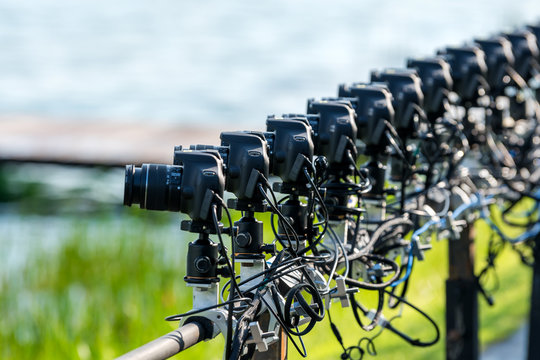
{"points": [[153, 186]]}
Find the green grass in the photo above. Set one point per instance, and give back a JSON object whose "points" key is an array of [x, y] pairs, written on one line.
{"points": [[114, 278]]}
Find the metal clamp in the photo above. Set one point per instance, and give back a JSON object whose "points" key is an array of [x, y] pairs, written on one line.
{"points": [[261, 339], [342, 293]]}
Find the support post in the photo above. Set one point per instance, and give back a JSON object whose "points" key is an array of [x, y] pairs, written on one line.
{"points": [[461, 299], [534, 320]]}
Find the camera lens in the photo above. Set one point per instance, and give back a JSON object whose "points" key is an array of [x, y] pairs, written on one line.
{"points": [[153, 186]]}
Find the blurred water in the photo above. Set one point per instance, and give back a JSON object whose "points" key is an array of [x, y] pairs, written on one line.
{"points": [[28, 238], [214, 61]]}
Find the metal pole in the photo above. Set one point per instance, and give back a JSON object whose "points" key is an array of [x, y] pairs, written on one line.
{"points": [[169, 344], [461, 299], [534, 320]]}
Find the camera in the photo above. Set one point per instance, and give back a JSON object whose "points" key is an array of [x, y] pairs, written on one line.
{"points": [[535, 29], [436, 83], [188, 186], [526, 53], [407, 98], [499, 56], [469, 71], [525, 49], [335, 131], [290, 146], [245, 158], [373, 106]]}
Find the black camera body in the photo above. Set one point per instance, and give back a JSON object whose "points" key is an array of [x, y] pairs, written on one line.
{"points": [[373, 106], [469, 71], [526, 54], [436, 83], [247, 160], [290, 145], [188, 186], [351, 102], [203, 176], [499, 56], [407, 97], [535, 29], [334, 130], [525, 50]]}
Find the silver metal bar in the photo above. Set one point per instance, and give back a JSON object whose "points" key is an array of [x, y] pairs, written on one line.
{"points": [[169, 344]]}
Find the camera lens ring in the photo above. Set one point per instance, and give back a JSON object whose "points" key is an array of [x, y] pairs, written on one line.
{"points": [[153, 186], [128, 185], [145, 169]]}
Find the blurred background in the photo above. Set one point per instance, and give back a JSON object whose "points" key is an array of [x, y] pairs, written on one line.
{"points": [[83, 277]]}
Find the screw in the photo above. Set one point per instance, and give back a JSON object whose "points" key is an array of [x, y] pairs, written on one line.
{"points": [[203, 264], [243, 240]]}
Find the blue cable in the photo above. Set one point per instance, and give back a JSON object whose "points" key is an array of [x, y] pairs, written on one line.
{"points": [[409, 269], [478, 200], [533, 232]]}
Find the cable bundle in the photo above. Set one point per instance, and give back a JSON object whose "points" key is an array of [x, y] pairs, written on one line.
{"points": [[355, 188]]}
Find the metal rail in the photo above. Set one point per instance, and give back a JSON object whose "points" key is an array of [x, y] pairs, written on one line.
{"points": [[170, 344]]}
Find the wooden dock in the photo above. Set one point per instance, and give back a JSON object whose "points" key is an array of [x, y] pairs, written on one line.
{"points": [[103, 143]]}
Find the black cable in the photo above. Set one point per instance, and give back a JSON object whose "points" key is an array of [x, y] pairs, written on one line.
{"points": [[325, 210], [282, 219], [394, 227], [349, 351], [414, 342], [315, 316], [275, 277], [228, 343], [380, 285], [393, 302], [286, 263], [284, 327], [179, 317], [229, 266], [357, 306], [366, 182], [336, 332], [242, 329]]}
